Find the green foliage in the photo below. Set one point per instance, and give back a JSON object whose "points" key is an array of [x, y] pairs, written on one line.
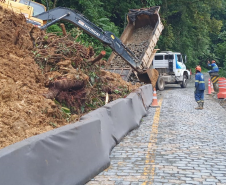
{"points": [[105, 24], [154, 2], [93, 77], [191, 29], [215, 26], [87, 40], [55, 29], [222, 71], [222, 36], [48, 3], [66, 113], [204, 70], [54, 125]]}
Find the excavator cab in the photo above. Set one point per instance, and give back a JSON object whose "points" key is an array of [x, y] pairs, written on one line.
{"points": [[28, 8], [37, 8]]}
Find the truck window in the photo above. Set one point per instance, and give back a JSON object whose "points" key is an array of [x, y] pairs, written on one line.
{"points": [[38, 8], [159, 57], [179, 58], [167, 57]]}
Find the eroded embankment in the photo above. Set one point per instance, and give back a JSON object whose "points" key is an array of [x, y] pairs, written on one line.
{"points": [[47, 81]]}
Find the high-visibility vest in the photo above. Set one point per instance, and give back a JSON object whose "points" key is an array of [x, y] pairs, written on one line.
{"points": [[199, 81]]}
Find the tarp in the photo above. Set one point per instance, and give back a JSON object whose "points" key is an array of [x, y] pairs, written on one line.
{"points": [[75, 153]]}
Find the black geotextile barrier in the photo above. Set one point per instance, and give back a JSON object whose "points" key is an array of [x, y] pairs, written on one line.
{"points": [[147, 94], [75, 153]]}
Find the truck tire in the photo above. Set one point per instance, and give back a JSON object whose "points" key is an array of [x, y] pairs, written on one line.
{"points": [[160, 85], [184, 82]]}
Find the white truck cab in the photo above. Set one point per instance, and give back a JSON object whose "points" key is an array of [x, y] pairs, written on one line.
{"points": [[171, 68]]}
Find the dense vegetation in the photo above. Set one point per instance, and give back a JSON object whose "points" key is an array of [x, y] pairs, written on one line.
{"points": [[196, 28]]}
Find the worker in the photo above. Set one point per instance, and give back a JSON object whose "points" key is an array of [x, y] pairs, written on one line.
{"points": [[199, 87], [214, 66], [214, 73]]}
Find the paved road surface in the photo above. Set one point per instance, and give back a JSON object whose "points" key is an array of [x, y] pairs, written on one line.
{"points": [[175, 144]]}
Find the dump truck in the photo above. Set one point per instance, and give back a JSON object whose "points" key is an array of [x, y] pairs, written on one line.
{"points": [[140, 36], [171, 68], [147, 18]]}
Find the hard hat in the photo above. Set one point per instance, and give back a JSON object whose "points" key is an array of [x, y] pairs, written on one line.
{"points": [[198, 68]]}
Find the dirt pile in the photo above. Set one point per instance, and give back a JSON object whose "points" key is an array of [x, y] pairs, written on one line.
{"points": [[74, 77], [24, 112], [49, 85]]}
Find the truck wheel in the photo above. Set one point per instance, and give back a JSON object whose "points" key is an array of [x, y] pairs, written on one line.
{"points": [[160, 85], [184, 82]]}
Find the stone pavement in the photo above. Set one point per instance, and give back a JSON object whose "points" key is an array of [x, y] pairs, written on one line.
{"points": [[175, 144]]}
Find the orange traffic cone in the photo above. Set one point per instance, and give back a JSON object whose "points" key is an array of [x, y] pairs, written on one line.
{"points": [[209, 87], [212, 90], [154, 101]]}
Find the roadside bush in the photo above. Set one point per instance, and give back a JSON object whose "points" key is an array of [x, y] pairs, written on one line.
{"points": [[222, 71]]}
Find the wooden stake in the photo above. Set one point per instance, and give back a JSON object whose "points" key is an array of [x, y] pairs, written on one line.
{"points": [[63, 29], [107, 98]]}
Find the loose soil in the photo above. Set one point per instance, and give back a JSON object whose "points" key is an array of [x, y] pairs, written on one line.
{"points": [[47, 81], [137, 43]]}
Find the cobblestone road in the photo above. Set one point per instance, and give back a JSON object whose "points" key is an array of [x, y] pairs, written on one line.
{"points": [[175, 144]]}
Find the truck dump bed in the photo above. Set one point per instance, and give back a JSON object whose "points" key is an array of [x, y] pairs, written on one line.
{"points": [[140, 36]]}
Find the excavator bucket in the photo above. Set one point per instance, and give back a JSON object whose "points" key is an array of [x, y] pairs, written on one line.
{"points": [[140, 37], [145, 76], [150, 76]]}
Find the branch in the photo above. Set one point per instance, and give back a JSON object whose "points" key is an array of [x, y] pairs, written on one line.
{"points": [[99, 57]]}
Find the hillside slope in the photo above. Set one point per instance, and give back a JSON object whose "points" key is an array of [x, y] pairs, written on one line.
{"points": [[47, 81]]}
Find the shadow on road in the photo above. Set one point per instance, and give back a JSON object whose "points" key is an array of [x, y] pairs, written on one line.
{"points": [[171, 87]]}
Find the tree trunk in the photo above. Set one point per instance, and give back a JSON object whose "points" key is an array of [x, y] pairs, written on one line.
{"points": [[54, 3], [63, 84]]}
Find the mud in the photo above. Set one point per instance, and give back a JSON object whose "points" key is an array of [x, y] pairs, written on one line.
{"points": [[154, 78], [28, 73]]}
